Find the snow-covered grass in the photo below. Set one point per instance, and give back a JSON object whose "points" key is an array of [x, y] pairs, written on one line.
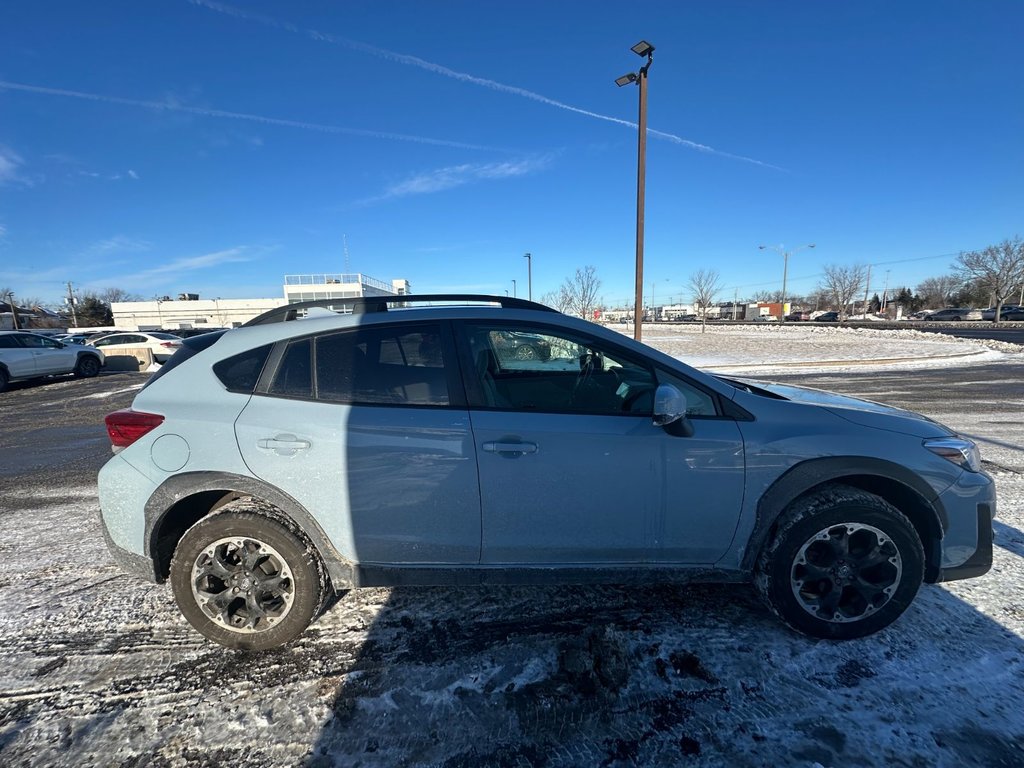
{"points": [[774, 347]]}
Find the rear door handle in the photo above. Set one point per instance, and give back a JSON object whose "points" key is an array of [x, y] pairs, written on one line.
{"points": [[511, 450], [284, 445]]}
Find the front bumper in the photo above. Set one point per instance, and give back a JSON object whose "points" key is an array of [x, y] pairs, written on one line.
{"points": [[970, 506]]}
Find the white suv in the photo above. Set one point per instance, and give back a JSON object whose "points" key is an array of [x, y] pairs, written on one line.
{"points": [[30, 356]]}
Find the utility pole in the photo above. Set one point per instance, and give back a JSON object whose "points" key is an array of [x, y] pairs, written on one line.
{"points": [[71, 303], [867, 287], [735, 298], [14, 311], [885, 290]]}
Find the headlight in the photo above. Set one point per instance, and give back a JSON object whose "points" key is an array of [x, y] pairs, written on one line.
{"points": [[961, 452]]}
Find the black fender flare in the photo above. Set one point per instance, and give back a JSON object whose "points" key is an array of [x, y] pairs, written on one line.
{"points": [[807, 475], [180, 487]]}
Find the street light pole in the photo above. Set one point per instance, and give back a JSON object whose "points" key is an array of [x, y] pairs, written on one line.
{"points": [[643, 48], [785, 269], [529, 274], [513, 288]]}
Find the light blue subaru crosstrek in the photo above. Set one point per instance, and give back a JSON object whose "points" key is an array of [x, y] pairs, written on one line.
{"points": [[407, 442]]}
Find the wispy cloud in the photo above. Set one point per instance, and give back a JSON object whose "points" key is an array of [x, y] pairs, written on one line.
{"points": [[450, 177], [111, 246], [197, 263], [10, 162], [133, 175], [465, 77], [173, 105]]}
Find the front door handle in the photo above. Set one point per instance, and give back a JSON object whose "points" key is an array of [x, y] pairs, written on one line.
{"points": [[512, 450], [284, 445]]}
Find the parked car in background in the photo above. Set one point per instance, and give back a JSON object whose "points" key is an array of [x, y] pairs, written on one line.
{"points": [[162, 345], [73, 338], [827, 317], [188, 333], [920, 315], [25, 355], [521, 346], [799, 315], [954, 314], [1008, 312], [266, 468]]}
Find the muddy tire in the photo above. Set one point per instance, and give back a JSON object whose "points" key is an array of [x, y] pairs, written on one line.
{"points": [[247, 579], [843, 563]]}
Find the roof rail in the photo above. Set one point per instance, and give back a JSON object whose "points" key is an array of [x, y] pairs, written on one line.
{"points": [[368, 304]]}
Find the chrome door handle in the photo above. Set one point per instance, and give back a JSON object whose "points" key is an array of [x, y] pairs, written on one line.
{"points": [[510, 449], [284, 445]]}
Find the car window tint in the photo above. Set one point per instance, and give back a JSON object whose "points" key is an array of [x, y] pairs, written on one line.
{"points": [[239, 373], [294, 376], [389, 365], [28, 340], [527, 369], [8, 342]]}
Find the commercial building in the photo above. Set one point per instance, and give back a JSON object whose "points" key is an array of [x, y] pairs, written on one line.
{"points": [[189, 310]]}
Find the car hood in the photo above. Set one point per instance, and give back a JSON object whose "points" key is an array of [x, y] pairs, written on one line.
{"points": [[864, 412]]}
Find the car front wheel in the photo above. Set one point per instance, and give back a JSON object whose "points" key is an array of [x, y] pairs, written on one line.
{"points": [[87, 367], [843, 564], [247, 580]]}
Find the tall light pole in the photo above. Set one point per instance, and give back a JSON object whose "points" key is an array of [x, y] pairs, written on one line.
{"points": [[529, 274], [513, 288], [643, 48], [785, 269]]}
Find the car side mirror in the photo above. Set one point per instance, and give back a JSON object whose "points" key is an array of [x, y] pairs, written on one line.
{"points": [[670, 411]]}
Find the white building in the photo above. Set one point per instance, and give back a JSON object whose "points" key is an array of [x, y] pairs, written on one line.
{"points": [[190, 311], [340, 286]]}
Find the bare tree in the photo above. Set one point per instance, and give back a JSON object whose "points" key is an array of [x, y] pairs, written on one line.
{"points": [[936, 290], [704, 284], [998, 268], [110, 295], [841, 284], [578, 294]]}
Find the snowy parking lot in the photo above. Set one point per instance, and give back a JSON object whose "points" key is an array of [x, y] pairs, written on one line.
{"points": [[99, 669]]}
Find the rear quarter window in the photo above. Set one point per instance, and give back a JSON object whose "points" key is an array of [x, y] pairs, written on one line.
{"points": [[239, 373]]}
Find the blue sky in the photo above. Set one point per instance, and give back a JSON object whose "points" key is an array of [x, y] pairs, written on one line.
{"points": [[190, 145]]}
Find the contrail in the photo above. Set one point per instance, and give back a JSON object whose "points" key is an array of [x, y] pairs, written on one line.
{"points": [[206, 112], [429, 66]]}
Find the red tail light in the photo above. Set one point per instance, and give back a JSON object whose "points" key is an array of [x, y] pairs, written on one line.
{"points": [[127, 426], [170, 343]]}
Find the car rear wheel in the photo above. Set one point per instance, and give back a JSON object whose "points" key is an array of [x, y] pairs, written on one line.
{"points": [[87, 366], [842, 564], [525, 352], [247, 580]]}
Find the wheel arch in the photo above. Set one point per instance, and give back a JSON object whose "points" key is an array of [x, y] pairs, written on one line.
{"points": [[182, 500], [905, 490]]}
